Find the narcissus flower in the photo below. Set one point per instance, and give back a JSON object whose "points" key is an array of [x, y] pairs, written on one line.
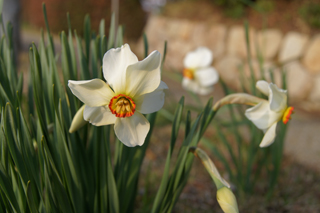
{"points": [[266, 114], [133, 88], [198, 76]]}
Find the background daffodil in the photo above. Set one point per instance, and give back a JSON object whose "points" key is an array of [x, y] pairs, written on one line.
{"points": [[133, 88], [198, 76]]}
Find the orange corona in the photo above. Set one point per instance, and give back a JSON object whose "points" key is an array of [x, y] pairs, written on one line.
{"points": [[287, 115], [122, 106], [188, 73]]}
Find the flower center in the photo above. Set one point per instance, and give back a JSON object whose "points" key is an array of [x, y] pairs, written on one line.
{"points": [[122, 106], [188, 73], [287, 115]]}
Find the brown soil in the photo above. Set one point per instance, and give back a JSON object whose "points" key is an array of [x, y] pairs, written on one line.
{"points": [[284, 15]]}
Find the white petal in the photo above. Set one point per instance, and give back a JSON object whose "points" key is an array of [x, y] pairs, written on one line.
{"points": [[190, 85], [277, 98], [263, 87], [93, 93], [151, 102], [195, 87], [132, 131], [201, 57], [115, 63], [262, 116], [144, 76], [269, 136], [205, 90], [207, 76], [99, 116]]}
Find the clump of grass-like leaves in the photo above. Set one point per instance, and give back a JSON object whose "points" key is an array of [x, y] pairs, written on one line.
{"points": [[43, 167]]}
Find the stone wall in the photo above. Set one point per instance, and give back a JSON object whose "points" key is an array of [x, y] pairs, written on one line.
{"points": [[296, 53]]}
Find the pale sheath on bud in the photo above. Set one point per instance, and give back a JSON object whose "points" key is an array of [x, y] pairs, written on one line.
{"points": [[237, 98], [78, 120], [227, 200], [210, 167]]}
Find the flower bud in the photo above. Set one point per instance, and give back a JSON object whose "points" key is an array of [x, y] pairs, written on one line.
{"points": [[78, 120], [35, 146], [227, 200]]}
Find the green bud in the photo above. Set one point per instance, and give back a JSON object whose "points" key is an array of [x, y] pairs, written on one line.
{"points": [[227, 200]]}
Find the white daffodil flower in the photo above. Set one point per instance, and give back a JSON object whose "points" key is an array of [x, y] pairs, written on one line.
{"points": [[198, 76], [133, 88], [266, 114]]}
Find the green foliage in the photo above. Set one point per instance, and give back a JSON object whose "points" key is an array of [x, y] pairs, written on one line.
{"points": [[236, 8], [235, 11], [232, 8], [236, 140], [310, 12], [264, 6], [43, 167], [249, 162]]}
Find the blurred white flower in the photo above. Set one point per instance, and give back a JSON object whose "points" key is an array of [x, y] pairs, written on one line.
{"points": [[266, 114], [133, 88], [198, 76]]}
